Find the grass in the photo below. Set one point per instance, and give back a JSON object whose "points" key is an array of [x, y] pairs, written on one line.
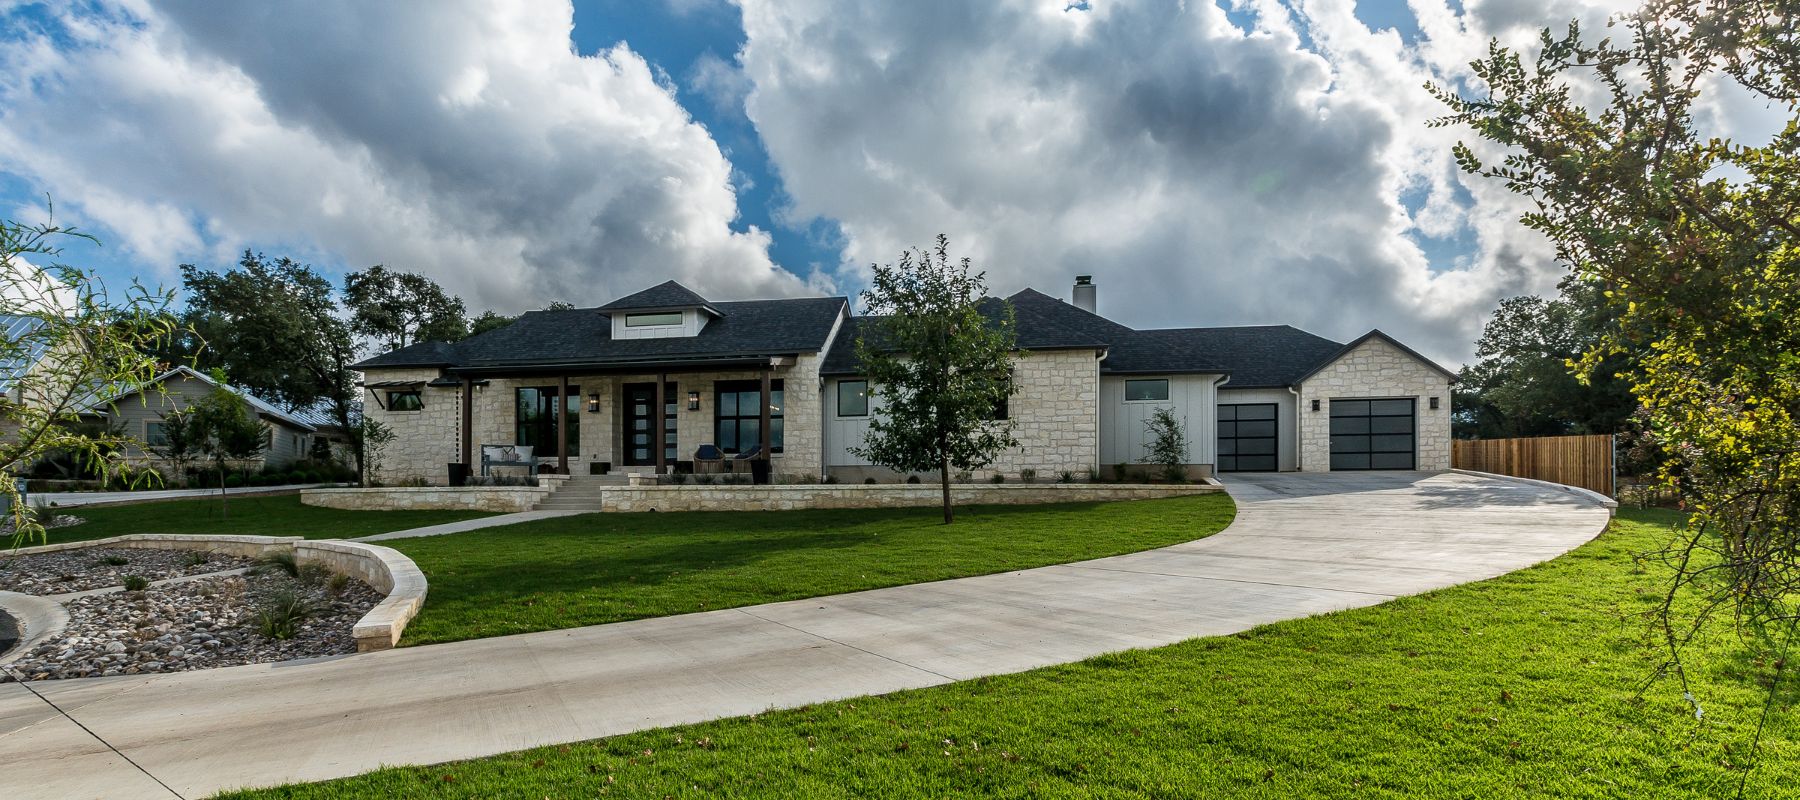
{"points": [[1523, 686], [598, 568], [267, 515]]}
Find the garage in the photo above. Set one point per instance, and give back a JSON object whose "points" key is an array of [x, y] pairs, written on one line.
{"points": [[1247, 437], [1373, 434]]}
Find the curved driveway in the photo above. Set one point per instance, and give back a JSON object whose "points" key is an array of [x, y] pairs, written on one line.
{"points": [[1301, 545]]}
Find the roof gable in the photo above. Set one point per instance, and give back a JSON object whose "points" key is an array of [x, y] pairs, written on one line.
{"points": [[665, 295], [1375, 334], [256, 404]]}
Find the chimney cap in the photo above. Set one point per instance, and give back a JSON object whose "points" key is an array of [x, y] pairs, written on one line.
{"points": [[1084, 280]]}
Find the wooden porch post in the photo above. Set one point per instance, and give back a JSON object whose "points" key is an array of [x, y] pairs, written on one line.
{"points": [[661, 428], [562, 428], [468, 418], [768, 441]]}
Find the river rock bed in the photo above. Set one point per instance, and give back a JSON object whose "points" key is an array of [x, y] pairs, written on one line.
{"points": [[207, 622], [81, 569]]}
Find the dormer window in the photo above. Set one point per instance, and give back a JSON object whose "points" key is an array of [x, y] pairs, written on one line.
{"points": [[661, 318]]}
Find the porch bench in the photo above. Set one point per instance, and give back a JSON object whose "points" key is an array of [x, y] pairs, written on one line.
{"points": [[508, 455]]}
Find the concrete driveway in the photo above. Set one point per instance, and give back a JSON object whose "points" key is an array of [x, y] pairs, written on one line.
{"points": [[1301, 545]]}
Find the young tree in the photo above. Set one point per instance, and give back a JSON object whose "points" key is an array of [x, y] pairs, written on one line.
{"points": [[1168, 444], [1695, 241], [941, 367], [228, 431], [70, 341], [183, 441], [273, 326], [375, 438], [399, 308]]}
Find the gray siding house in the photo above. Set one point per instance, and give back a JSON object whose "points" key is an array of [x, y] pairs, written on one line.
{"points": [[646, 383], [141, 411]]}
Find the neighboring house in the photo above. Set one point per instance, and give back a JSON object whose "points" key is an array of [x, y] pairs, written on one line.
{"points": [[140, 413], [641, 383]]}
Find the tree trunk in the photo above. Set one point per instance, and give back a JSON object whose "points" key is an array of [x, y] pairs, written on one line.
{"points": [[944, 481], [224, 503]]}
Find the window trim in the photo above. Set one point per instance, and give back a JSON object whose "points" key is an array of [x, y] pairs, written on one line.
{"points": [[634, 320], [840, 398], [149, 441], [755, 384], [393, 395], [1167, 385]]}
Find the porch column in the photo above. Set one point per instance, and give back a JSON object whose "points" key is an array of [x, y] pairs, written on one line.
{"points": [[562, 428], [660, 430], [468, 417], [768, 439]]}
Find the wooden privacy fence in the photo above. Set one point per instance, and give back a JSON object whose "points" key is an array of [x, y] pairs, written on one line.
{"points": [[1584, 461]]}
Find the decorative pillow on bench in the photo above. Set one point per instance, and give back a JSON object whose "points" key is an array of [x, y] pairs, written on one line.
{"points": [[514, 453]]}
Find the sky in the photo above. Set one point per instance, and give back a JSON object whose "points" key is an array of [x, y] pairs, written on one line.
{"points": [[1245, 162]]}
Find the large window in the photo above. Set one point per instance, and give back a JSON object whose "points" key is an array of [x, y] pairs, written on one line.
{"points": [[651, 320], [738, 414], [853, 398], [1146, 389], [405, 401], [536, 419]]}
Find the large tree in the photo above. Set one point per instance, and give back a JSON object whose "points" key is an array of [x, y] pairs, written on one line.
{"points": [[67, 341], [1522, 383], [489, 321], [939, 366], [396, 309], [1695, 240], [274, 326]]}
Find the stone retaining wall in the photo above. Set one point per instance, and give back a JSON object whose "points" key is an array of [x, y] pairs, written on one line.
{"points": [[383, 568], [503, 499]]}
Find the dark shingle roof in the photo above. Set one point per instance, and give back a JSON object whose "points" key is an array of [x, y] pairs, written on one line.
{"points": [[667, 294], [1041, 322], [1255, 356], [584, 336]]}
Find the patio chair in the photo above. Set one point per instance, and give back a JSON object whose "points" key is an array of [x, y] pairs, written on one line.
{"points": [[751, 455], [708, 454]]}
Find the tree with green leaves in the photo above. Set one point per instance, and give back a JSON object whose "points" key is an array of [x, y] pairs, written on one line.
{"points": [[1168, 445], [396, 308], [489, 321], [274, 326], [940, 367], [1694, 240], [183, 441], [228, 431], [1522, 383], [69, 341]]}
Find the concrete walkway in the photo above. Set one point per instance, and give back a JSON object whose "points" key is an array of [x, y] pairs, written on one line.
{"points": [[78, 499], [1301, 545], [467, 525]]}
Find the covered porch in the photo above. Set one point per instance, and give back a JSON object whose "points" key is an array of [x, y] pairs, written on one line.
{"points": [[652, 418]]}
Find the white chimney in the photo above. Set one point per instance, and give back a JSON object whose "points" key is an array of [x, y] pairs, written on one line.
{"points": [[1086, 297]]}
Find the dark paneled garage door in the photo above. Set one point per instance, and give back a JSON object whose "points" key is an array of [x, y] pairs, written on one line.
{"points": [[1247, 438], [1372, 434]]}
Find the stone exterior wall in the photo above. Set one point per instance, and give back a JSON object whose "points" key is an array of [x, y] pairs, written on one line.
{"points": [[425, 440], [1055, 413], [496, 499], [1376, 370]]}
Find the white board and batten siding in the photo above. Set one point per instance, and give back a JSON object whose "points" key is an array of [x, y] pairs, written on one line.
{"points": [[843, 433], [1286, 424], [1124, 439], [692, 320]]}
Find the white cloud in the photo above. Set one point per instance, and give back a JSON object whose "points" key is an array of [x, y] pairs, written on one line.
{"points": [[1203, 174], [469, 143]]}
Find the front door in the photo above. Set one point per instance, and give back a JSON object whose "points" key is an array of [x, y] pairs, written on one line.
{"points": [[640, 420]]}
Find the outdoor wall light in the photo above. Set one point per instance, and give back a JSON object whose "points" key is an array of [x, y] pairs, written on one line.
{"points": [[594, 403], [1315, 404], [693, 401]]}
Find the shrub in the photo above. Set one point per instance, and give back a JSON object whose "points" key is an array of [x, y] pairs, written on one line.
{"points": [[1168, 444], [1093, 474], [1028, 475], [136, 583], [869, 481], [337, 583], [963, 477], [998, 477], [197, 558], [234, 481], [912, 479], [1065, 477], [115, 561], [282, 561], [313, 574], [830, 480], [678, 478], [1119, 472], [703, 478], [280, 615]]}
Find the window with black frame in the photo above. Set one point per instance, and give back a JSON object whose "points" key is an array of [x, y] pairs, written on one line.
{"points": [[737, 414], [535, 421]]}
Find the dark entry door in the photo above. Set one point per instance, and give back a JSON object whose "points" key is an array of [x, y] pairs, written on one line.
{"points": [[1247, 438], [1372, 434], [640, 419]]}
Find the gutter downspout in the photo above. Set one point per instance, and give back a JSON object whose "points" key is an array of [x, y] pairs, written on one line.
{"points": [[1219, 383], [1299, 448]]}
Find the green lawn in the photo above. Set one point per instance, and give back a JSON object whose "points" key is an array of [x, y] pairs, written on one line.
{"points": [[597, 568], [267, 515], [1522, 686]]}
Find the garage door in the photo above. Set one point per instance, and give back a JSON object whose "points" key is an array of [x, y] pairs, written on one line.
{"points": [[1372, 434], [1247, 438]]}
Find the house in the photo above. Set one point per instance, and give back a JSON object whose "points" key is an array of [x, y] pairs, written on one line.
{"points": [[641, 383], [140, 412]]}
